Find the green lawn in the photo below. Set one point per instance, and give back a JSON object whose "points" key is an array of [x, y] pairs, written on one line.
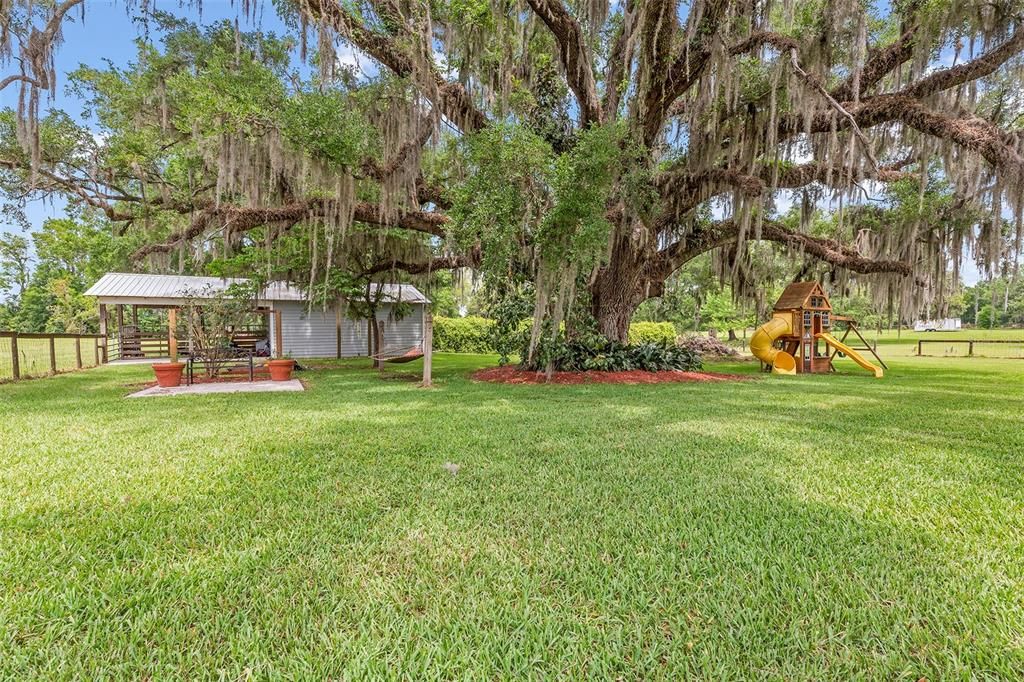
{"points": [[814, 527]]}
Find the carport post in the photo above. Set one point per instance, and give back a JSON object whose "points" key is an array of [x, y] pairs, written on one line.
{"points": [[120, 328], [172, 333], [278, 341], [102, 341]]}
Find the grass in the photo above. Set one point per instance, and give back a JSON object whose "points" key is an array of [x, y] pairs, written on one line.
{"points": [[816, 527]]}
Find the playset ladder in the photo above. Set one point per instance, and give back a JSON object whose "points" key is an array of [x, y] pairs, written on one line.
{"points": [[851, 325]]}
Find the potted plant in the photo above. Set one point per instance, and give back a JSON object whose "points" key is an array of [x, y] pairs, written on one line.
{"points": [[168, 374], [281, 369]]}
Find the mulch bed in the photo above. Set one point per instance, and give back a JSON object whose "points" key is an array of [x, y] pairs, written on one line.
{"points": [[514, 375]]}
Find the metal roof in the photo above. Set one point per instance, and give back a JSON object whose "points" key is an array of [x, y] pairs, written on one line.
{"points": [[178, 288]]}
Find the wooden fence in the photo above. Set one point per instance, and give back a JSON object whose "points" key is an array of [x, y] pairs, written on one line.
{"points": [[1000, 347], [24, 356], [143, 345]]}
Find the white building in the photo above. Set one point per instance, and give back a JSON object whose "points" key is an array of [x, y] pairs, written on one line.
{"points": [[291, 327]]}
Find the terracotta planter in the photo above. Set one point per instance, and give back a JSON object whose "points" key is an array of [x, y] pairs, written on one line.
{"points": [[168, 374], [281, 370]]}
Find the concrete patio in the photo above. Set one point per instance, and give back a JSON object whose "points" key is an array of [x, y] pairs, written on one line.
{"points": [[222, 387]]}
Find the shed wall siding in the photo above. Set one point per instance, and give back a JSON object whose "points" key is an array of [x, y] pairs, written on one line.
{"points": [[400, 335], [313, 334]]}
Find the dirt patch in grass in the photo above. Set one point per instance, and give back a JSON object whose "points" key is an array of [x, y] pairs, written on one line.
{"points": [[514, 375]]}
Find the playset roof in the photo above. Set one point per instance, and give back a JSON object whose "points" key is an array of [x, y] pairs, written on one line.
{"points": [[796, 295]]}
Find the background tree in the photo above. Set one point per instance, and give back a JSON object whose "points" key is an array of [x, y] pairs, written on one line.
{"points": [[65, 256], [587, 152], [996, 302], [15, 265]]}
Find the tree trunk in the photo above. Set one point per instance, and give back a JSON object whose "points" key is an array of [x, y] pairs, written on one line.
{"points": [[629, 279], [614, 296]]}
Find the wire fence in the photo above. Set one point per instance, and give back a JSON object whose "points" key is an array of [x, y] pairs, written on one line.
{"points": [[26, 356]]}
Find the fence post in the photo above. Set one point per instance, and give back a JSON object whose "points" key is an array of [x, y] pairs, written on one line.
{"points": [[15, 365], [970, 348], [428, 348], [919, 347], [78, 352], [53, 355], [96, 350]]}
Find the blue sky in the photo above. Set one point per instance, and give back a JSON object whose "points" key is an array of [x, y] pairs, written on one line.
{"points": [[108, 32]]}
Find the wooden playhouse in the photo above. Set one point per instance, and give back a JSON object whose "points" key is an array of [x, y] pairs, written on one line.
{"points": [[798, 339], [811, 314]]}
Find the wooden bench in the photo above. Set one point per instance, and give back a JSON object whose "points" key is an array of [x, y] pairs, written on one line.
{"points": [[228, 361]]}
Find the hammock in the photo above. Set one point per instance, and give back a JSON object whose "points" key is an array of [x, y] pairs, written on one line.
{"points": [[400, 355]]}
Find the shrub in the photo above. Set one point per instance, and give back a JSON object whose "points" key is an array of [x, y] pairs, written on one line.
{"points": [[652, 332], [706, 345], [477, 335], [463, 335], [594, 352]]}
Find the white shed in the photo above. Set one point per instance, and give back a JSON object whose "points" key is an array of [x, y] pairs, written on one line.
{"points": [[291, 326], [318, 333]]}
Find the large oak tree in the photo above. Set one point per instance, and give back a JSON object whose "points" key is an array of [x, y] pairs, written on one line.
{"points": [[589, 148]]}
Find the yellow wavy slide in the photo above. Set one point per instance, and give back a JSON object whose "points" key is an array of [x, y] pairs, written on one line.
{"points": [[761, 345], [850, 353]]}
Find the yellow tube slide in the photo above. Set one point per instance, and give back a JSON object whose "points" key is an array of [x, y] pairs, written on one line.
{"points": [[851, 353], [762, 348]]}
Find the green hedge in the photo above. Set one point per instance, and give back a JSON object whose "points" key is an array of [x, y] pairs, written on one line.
{"points": [[652, 332], [473, 334], [463, 335]]}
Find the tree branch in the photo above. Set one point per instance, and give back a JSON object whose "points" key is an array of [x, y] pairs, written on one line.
{"points": [[977, 68], [720, 233], [452, 98], [241, 219], [576, 60], [619, 60], [972, 133], [786, 44], [879, 64], [693, 59], [685, 191], [658, 26], [449, 262], [831, 251], [380, 172]]}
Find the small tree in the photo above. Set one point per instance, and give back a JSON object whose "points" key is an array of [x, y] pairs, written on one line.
{"points": [[211, 319], [987, 318]]}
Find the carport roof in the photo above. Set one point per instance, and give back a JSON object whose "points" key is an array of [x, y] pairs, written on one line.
{"points": [[122, 287]]}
